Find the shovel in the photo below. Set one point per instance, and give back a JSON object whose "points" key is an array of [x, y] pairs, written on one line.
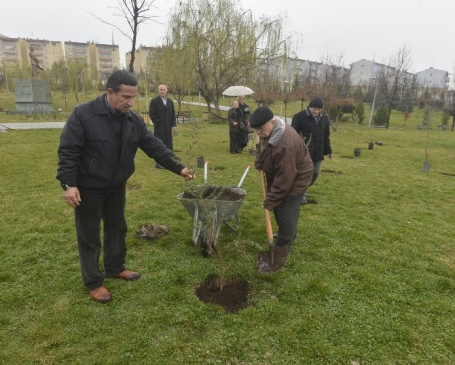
{"points": [[269, 262]]}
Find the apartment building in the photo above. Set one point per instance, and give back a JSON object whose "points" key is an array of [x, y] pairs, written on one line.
{"points": [[143, 58], [288, 71], [364, 71], [13, 50], [102, 58], [433, 78]]}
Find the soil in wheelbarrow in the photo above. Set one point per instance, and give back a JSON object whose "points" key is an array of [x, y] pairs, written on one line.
{"points": [[212, 193], [232, 296]]}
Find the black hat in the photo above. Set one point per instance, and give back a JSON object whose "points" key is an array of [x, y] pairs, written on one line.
{"points": [[260, 116], [316, 103]]}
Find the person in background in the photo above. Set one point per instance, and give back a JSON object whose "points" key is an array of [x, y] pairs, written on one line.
{"points": [[286, 162], [162, 115], [235, 119], [314, 127], [96, 157], [244, 108], [243, 136]]}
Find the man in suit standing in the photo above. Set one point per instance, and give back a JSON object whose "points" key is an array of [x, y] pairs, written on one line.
{"points": [[162, 115]]}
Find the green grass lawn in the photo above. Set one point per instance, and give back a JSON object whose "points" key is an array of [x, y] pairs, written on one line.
{"points": [[371, 277]]}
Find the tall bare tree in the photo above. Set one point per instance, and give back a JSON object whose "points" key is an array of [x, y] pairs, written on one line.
{"points": [[227, 42], [393, 77], [134, 12], [450, 99], [333, 82]]}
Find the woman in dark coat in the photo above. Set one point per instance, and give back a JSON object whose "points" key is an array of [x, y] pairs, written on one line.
{"points": [[235, 119]]}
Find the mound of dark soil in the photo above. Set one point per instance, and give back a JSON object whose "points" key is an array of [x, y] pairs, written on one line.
{"points": [[232, 296], [212, 192]]}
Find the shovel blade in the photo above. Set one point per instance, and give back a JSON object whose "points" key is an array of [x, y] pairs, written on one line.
{"points": [[263, 263], [269, 262]]}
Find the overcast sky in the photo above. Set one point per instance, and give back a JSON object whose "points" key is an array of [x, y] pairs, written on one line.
{"points": [[358, 29]]}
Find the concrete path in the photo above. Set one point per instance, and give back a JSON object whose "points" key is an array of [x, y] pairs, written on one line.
{"points": [[38, 125], [59, 125]]}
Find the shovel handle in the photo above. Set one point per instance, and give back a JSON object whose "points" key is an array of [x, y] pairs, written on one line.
{"points": [[268, 222]]}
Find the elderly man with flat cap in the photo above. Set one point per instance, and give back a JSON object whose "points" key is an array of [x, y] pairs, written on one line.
{"points": [[314, 127], [283, 156]]}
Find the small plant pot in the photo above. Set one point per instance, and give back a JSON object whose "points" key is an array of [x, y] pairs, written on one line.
{"points": [[357, 152], [370, 145], [426, 166], [200, 162]]}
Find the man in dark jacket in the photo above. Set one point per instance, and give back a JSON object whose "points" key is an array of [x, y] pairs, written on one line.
{"points": [[96, 157], [314, 127], [286, 162], [162, 115]]}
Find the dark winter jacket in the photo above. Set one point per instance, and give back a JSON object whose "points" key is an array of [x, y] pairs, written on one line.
{"points": [[163, 118], [245, 109], [88, 153], [234, 116], [315, 133], [286, 162]]}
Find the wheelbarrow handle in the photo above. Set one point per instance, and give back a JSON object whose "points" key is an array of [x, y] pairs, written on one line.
{"points": [[243, 176], [268, 222]]}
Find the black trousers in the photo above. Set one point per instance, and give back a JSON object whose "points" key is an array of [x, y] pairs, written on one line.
{"points": [[234, 142], [109, 207], [287, 217]]}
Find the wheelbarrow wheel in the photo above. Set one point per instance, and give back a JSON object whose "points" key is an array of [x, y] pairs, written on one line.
{"points": [[204, 246], [205, 250]]}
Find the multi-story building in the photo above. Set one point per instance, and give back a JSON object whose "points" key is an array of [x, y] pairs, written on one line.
{"points": [[433, 78], [289, 71], [10, 50], [105, 58], [16, 50], [364, 72], [102, 58], [143, 58]]}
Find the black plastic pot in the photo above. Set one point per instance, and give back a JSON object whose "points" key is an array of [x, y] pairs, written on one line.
{"points": [[200, 162], [426, 166], [357, 152], [370, 145]]}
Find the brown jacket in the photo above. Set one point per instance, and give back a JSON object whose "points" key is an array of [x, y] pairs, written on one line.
{"points": [[286, 162]]}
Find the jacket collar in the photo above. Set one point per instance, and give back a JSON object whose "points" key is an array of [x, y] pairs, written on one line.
{"points": [[318, 118], [277, 132], [103, 107]]}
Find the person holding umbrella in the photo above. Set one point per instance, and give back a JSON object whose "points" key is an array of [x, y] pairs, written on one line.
{"points": [[284, 158]]}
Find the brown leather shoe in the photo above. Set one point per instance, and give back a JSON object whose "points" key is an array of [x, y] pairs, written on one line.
{"points": [[100, 294], [125, 275]]}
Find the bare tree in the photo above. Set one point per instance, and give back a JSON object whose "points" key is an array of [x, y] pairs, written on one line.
{"points": [[393, 77], [135, 12], [450, 99], [228, 44], [332, 82]]}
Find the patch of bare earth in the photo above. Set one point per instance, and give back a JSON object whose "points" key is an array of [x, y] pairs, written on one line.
{"points": [[232, 295]]}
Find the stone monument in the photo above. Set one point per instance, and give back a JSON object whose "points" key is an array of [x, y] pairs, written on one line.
{"points": [[33, 95]]}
